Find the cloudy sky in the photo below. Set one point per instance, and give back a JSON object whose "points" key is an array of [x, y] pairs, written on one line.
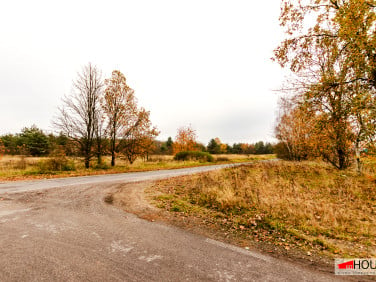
{"points": [[205, 63]]}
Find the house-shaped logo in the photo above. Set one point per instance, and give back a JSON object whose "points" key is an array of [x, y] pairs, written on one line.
{"points": [[361, 266], [346, 265]]}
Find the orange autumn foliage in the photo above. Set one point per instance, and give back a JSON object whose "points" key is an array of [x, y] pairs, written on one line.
{"points": [[185, 140], [295, 130], [139, 141], [330, 49], [129, 127], [2, 149]]}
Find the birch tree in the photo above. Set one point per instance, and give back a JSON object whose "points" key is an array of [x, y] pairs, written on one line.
{"points": [[330, 47]]}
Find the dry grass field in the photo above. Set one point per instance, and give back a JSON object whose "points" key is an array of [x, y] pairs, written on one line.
{"points": [[307, 206], [23, 167]]}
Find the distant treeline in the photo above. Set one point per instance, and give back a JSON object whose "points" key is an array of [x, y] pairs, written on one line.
{"points": [[216, 147], [33, 141]]}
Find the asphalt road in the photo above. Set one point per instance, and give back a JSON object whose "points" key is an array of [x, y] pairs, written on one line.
{"points": [[62, 230], [26, 186]]}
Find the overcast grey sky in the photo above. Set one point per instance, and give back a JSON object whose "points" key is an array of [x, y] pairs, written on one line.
{"points": [[205, 63]]}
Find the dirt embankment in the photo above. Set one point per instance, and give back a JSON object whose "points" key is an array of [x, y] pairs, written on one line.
{"points": [[132, 199]]}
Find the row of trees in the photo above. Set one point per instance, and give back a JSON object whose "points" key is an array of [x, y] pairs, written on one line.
{"points": [[33, 141], [100, 111], [186, 140], [329, 110], [215, 146]]}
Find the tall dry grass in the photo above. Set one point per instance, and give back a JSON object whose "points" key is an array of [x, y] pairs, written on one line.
{"points": [[309, 200]]}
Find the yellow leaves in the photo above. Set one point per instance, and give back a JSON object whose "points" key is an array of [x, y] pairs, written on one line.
{"points": [[335, 59], [119, 101], [126, 122], [350, 23], [185, 140]]}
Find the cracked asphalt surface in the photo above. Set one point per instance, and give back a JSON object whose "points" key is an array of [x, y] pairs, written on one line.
{"points": [[62, 230]]}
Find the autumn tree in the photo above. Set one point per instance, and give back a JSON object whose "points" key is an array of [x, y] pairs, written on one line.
{"points": [[222, 146], [259, 146], [215, 146], [119, 106], [334, 61], [185, 140], [295, 130], [364, 126], [348, 22], [138, 142], [129, 127], [251, 149], [2, 149], [77, 117]]}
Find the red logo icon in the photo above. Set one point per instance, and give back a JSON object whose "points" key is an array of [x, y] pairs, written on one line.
{"points": [[346, 265]]}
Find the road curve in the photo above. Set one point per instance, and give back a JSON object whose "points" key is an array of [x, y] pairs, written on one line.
{"points": [[69, 234], [34, 185]]}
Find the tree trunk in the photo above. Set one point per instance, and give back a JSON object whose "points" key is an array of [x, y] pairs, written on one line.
{"points": [[341, 159], [358, 161], [87, 151], [113, 145], [87, 161], [99, 158], [112, 157], [99, 151]]}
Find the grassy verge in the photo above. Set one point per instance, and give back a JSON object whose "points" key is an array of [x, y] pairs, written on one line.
{"points": [[23, 168], [307, 207]]}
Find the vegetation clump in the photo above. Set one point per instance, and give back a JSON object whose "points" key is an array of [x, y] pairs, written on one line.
{"points": [[57, 162], [194, 155], [109, 199]]}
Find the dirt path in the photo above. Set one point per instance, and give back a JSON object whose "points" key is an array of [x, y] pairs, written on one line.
{"points": [[131, 198]]}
